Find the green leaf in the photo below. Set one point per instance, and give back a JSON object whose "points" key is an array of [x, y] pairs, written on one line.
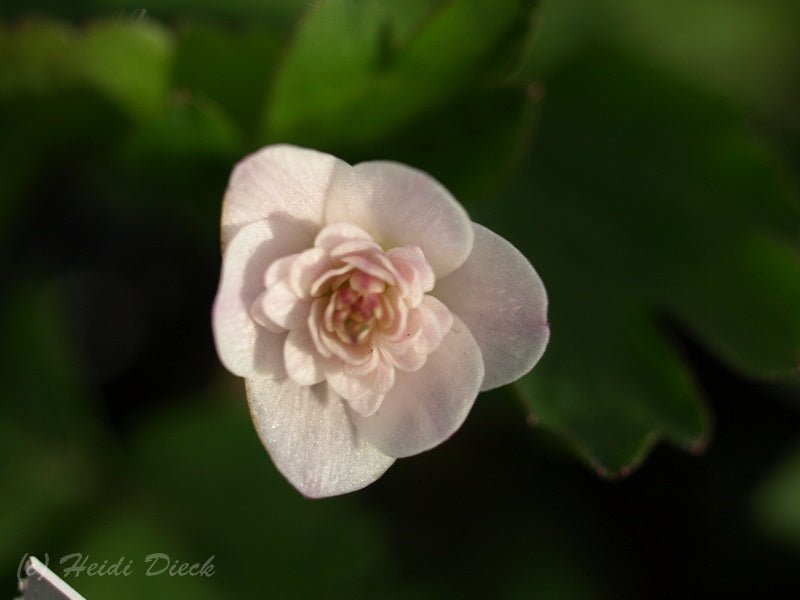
{"points": [[233, 70], [39, 55], [777, 500], [40, 381], [645, 199], [277, 14], [176, 164], [141, 549], [47, 425], [357, 71], [743, 50], [129, 62], [743, 304], [492, 131], [188, 127]]}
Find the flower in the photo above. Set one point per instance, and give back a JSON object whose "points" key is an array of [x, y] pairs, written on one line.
{"points": [[365, 312]]}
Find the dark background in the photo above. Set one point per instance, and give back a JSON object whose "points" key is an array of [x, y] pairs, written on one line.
{"points": [[645, 157]]}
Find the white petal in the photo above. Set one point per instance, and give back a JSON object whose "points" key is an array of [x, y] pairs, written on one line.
{"points": [[364, 392], [278, 270], [283, 307], [338, 233], [302, 361], [280, 179], [259, 316], [310, 437], [400, 206], [501, 298], [426, 407], [245, 348]]}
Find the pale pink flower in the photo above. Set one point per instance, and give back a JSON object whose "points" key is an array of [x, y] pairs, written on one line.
{"points": [[365, 312]]}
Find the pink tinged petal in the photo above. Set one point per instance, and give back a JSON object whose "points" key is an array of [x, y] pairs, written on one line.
{"points": [[279, 180], [315, 320], [396, 312], [350, 247], [413, 270], [363, 392], [436, 321], [307, 267], [280, 304], [427, 406], [310, 437], [369, 266], [330, 280], [406, 358], [366, 284], [427, 326], [502, 300], [351, 354], [302, 362], [245, 348], [401, 206], [322, 331], [371, 361], [333, 235]]}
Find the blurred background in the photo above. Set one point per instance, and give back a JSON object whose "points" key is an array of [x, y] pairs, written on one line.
{"points": [[644, 155]]}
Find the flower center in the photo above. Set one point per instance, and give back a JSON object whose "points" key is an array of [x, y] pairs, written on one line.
{"points": [[356, 307]]}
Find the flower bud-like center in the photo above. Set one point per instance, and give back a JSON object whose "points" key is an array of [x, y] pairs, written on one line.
{"points": [[354, 311]]}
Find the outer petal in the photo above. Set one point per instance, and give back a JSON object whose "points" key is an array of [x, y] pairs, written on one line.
{"points": [[308, 433], [402, 206], [426, 407], [501, 298], [283, 308], [244, 347], [302, 362], [280, 179]]}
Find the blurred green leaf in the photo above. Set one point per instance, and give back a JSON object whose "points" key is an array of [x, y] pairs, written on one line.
{"points": [[777, 500], [50, 129], [129, 62], [40, 382], [38, 55], [232, 69], [67, 95], [357, 71], [176, 164], [492, 129], [743, 302], [278, 14], [47, 424], [645, 199], [141, 545], [742, 49], [189, 127]]}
